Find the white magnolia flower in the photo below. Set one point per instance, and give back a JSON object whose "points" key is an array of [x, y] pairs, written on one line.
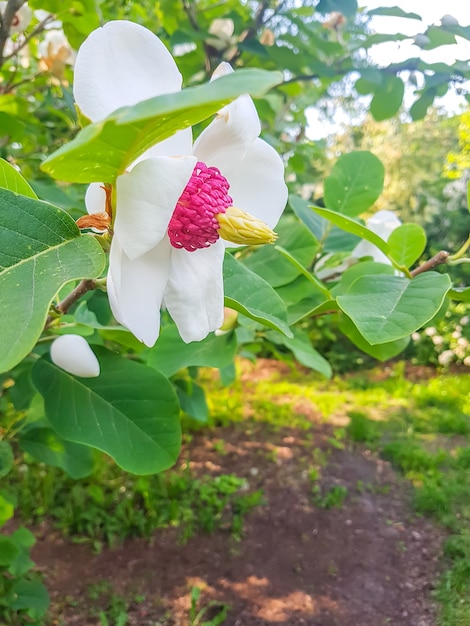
{"points": [[166, 248], [21, 19], [383, 223], [73, 354]]}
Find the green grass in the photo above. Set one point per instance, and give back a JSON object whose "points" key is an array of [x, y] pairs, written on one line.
{"points": [[111, 505]]}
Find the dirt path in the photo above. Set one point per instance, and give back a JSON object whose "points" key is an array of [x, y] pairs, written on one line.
{"points": [[366, 562]]}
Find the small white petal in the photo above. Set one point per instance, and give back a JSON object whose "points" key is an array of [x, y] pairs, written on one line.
{"points": [[195, 293], [146, 199], [73, 354], [119, 65], [135, 289], [236, 126]]}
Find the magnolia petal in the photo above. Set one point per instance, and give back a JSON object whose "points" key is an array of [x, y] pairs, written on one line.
{"points": [[73, 354], [383, 223], [256, 182], [95, 198], [146, 199], [236, 126], [194, 295], [119, 65], [136, 288]]}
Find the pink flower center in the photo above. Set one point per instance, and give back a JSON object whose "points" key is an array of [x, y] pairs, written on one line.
{"points": [[193, 224]]}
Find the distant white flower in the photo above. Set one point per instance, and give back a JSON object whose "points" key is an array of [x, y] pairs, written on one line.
{"points": [[73, 354], [173, 205], [21, 19], [446, 357], [421, 40], [383, 223], [430, 331]]}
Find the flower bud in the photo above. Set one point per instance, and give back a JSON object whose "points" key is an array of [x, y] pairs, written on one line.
{"points": [[73, 354], [242, 228], [449, 20]]}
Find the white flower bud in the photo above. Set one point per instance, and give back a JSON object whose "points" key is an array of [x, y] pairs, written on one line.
{"points": [[449, 20], [422, 40], [446, 357], [73, 354]]}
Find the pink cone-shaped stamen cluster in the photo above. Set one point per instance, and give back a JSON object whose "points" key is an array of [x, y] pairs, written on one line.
{"points": [[193, 224]]}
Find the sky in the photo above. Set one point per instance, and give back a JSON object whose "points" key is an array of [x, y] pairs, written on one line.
{"points": [[391, 52]]}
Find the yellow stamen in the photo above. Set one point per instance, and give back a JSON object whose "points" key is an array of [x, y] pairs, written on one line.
{"points": [[239, 227]]}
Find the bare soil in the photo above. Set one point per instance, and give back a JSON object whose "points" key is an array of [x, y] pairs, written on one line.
{"points": [[368, 562]]}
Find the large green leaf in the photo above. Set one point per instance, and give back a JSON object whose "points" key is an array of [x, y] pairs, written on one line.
{"points": [[249, 294], [387, 98], [103, 150], [11, 179], [30, 595], [171, 354], [355, 183], [46, 446], [304, 212], [380, 351], [42, 249], [387, 308], [130, 411], [394, 12]]}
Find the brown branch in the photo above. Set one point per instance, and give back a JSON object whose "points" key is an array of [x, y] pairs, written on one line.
{"points": [[6, 20], [438, 259], [79, 291]]}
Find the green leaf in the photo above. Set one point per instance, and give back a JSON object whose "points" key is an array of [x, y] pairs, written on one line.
{"points": [[355, 183], [47, 447], [351, 226], [460, 294], [271, 266], [438, 37], [130, 411], [394, 12], [105, 149], [8, 551], [42, 249], [7, 506], [303, 351], [30, 595], [249, 294], [381, 351], [387, 308], [407, 244], [6, 458], [193, 400], [24, 539], [347, 7], [12, 180], [170, 354], [364, 268], [387, 98], [304, 212], [420, 107]]}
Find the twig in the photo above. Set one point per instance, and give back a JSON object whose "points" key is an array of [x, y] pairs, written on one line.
{"points": [[6, 20], [80, 290], [438, 259]]}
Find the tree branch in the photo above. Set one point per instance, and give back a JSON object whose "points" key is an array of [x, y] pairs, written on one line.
{"points": [[6, 20], [79, 291], [438, 259]]}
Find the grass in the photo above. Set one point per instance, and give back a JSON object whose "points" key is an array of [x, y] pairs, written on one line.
{"points": [[111, 505]]}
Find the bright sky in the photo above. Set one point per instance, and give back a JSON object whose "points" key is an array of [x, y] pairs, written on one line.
{"points": [[391, 52]]}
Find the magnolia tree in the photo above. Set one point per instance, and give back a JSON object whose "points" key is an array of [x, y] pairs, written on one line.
{"points": [[180, 250]]}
